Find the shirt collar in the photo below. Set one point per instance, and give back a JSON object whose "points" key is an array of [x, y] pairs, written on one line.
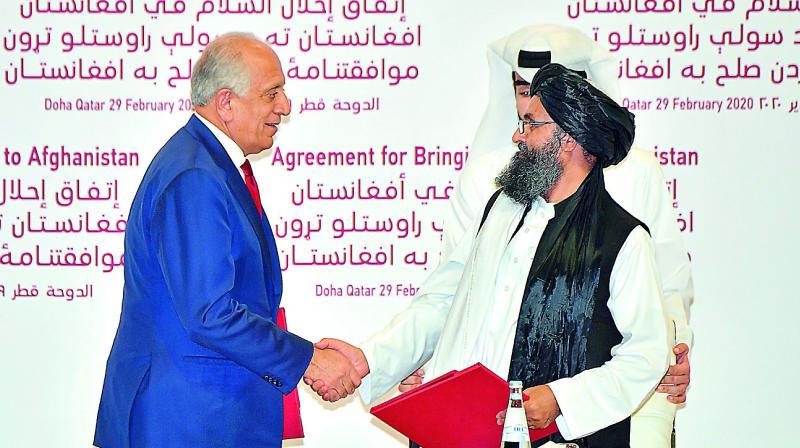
{"points": [[234, 152], [542, 208]]}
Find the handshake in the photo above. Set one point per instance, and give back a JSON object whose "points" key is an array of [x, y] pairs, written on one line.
{"points": [[336, 369]]}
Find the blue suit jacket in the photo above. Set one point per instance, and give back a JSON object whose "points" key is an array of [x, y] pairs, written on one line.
{"points": [[198, 360]]}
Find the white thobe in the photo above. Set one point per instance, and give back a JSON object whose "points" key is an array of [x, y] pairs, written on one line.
{"points": [[467, 310]]}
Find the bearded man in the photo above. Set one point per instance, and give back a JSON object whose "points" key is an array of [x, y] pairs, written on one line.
{"points": [[556, 285], [636, 183]]}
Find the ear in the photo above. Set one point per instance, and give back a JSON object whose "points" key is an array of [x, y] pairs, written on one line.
{"points": [[222, 103], [568, 144]]}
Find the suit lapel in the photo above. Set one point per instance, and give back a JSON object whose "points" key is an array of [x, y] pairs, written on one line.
{"points": [[239, 189]]}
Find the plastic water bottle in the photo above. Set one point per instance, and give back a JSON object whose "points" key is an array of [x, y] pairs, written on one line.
{"points": [[515, 429]]}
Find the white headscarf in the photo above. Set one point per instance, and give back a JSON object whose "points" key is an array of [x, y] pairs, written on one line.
{"points": [[567, 46]]}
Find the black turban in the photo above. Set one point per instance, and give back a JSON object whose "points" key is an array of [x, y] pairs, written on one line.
{"points": [[600, 125]]}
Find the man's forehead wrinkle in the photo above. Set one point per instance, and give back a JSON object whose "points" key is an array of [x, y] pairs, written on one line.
{"points": [[537, 108], [536, 115], [271, 84]]}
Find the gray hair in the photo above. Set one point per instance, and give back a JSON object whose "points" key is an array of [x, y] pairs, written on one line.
{"points": [[221, 66]]}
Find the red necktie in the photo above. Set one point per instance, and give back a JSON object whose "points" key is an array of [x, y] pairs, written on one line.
{"points": [[252, 186]]}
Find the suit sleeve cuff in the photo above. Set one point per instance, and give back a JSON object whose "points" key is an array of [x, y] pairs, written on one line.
{"points": [[294, 373]]}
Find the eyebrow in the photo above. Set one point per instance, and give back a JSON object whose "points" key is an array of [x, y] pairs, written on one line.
{"points": [[277, 85], [521, 82], [267, 90], [529, 117]]}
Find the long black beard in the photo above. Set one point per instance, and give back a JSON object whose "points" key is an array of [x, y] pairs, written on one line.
{"points": [[532, 173]]}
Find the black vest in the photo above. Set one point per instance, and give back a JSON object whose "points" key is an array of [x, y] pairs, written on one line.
{"points": [[564, 325]]}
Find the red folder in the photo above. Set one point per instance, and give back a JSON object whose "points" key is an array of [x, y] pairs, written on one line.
{"points": [[457, 409], [292, 424]]}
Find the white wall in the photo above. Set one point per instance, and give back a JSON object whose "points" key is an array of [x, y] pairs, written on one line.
{"points": [[742, 242]]}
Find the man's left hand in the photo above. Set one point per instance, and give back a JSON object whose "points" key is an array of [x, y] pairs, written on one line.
{"points": [[412, 381], [541, 407], [676, 380]]}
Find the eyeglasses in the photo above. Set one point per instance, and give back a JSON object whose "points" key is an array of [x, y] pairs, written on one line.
{"points": [[522, 123]]}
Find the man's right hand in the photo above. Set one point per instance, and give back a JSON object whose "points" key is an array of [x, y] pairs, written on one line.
{"points": [[331, 375], [349, 351], [412, 381]]}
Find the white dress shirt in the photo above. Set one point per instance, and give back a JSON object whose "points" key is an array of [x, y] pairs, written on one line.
{"points": [[231, 148]]}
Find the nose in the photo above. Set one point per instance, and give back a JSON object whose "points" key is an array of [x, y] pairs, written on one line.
{"points": [[517, 138], [283, 106]]}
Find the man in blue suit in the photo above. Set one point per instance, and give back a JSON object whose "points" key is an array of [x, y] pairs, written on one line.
{"points": [[198, 360]]}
